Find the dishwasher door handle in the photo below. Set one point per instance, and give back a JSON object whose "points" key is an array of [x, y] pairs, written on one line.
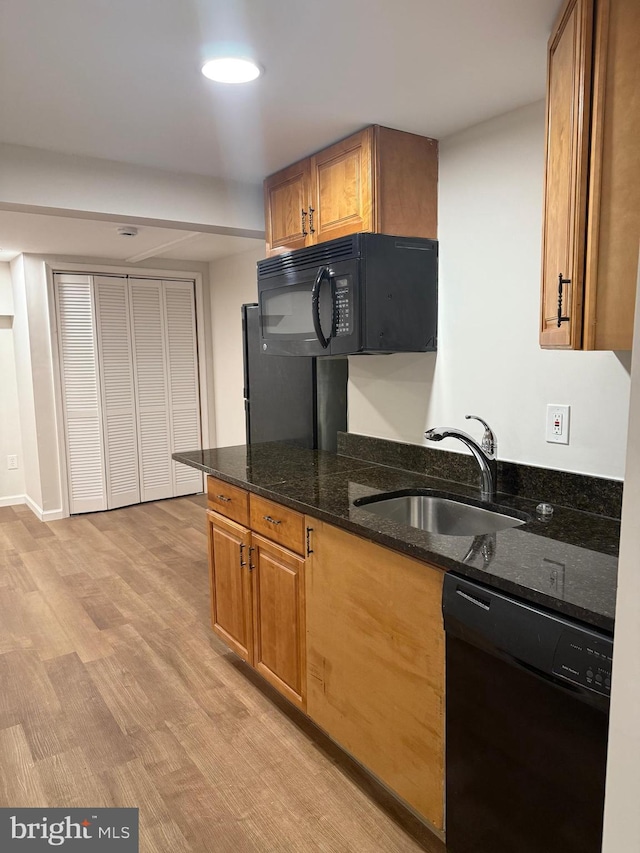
{"points": [[474, 599]]}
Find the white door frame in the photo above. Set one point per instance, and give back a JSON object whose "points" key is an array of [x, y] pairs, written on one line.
{"points": [[52, 267]]}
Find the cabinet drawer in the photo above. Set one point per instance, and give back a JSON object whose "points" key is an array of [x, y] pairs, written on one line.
{"points": [[278, 523], [228, 500]]}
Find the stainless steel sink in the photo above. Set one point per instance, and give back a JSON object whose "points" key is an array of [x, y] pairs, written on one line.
{"points": [[437, 514]]}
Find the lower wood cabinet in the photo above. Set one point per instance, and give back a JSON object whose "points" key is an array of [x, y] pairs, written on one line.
{"points": [[230, 584], [257, 603], [347, 630], [375, 661], [278, 618]]}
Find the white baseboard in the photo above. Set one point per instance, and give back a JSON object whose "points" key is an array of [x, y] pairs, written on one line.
{"points": [[13, 500], [48, 515]]}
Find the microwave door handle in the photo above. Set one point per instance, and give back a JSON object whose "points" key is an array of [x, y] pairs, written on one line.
{"points": [[323, 273]]}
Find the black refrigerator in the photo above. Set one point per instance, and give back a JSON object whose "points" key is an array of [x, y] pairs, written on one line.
{"points": [[298, 399]]}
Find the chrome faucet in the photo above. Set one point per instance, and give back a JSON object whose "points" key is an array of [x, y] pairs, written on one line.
{"points": [[485, 453]]}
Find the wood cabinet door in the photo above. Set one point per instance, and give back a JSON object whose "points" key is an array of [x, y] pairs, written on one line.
{"points": [[231, 594], [567, 162], [342, 188], [279, 623], [286, 202], [375, 659], [614, 179]]}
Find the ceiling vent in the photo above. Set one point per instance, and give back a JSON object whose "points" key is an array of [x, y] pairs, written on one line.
{"points": [[127, 231]]}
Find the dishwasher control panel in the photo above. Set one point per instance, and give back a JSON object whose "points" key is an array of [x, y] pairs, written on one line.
{"points": [[584, 659]]}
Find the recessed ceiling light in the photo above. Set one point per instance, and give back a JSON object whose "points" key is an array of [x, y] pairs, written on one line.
{"points": [[230, 70], [127, 231]]}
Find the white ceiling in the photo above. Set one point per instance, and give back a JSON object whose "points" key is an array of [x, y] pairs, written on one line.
{"points": [[57, 235], [120, 79]]}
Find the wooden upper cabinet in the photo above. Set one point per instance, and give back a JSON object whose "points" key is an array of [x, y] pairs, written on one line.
{"points": [[342, 188], [286, 197], [567, 168], [591, 227], [378, 179], [613, 232]]}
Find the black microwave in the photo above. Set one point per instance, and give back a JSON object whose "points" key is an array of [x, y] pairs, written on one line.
{"points": [[366, 293]]}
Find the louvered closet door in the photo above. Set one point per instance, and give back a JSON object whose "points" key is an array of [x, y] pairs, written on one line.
{"points": [[80, 393], [118, 396], [150, 374], [184, 388]]}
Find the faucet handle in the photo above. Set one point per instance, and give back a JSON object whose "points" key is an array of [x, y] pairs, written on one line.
{"points": [[489, 441]]}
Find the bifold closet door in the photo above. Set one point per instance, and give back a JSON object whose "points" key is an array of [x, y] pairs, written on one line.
{"points": [[165, 362], [117, 390], [81, 397], [152, 393], [183, 382], [130, 388]]}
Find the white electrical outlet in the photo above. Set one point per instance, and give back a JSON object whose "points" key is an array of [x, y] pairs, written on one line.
{"points": [[12, 462], [558, 423]]}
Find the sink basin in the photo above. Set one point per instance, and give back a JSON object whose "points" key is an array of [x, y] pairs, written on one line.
{"points": [[437, 514]]}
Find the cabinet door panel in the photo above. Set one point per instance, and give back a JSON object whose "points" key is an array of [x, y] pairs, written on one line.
{"points": [[376, 662], [614, 181], [567, 151], [286, 199], [342, 188], [231, 599], [279, 625]]}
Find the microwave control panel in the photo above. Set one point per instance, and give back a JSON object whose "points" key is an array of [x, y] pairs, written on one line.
{"points": [[343, 320]]}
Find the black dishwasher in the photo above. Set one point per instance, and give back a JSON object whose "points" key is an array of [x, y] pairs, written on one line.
{"points": [[527, 705]]}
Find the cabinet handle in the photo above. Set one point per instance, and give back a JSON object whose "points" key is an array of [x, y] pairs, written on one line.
{"points": [[242, 562], [270, 520], [309, 548], [223, 498], [251, 566], [561, 281], [312, 210], [304, 216]]}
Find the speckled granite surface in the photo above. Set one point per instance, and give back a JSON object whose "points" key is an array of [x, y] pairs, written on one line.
{"points": [[568, 564], [579, 491]]}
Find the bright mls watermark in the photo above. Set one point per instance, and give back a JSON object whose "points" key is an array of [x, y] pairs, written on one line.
{"points": [[86, 830]]}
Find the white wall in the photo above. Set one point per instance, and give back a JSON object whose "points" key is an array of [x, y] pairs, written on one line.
{"points": [[233, 282], [24, 377], [622, 816], [11, 482], [31, 178], [489, 362]]}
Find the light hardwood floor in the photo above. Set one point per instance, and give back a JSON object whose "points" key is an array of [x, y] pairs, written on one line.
{"points": [[115, 692]]}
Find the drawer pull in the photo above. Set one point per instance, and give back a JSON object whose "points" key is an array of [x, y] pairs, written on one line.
{"points": [[242, 562], [309, 548], [270, 520], [223, 498], [251, 550]]}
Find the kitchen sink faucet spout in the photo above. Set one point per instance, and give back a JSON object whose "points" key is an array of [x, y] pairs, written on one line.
{"points": [[485, 453]]}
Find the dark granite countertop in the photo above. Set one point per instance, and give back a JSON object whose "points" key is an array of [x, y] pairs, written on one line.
{"points": [[567, 565]]}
